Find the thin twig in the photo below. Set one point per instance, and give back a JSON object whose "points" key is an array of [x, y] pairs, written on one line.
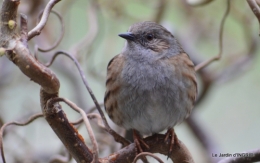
{"points": [[116, 136], [207, 62], [256, 10], [32, 118], [57, 42], [140, 155], [87, 123], [37, 30]]}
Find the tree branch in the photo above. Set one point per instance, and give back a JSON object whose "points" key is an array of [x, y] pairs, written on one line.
{"points": [[157, 145], [37, 72]]}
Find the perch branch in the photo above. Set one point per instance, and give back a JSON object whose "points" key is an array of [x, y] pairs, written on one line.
{"points": [[157, 145]]}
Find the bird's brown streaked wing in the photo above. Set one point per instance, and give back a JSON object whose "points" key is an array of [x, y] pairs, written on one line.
{"points": [[188, 72], [114, 68]]}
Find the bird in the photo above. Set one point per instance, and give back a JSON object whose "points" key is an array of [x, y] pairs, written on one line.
{"points": [[151, 85]]}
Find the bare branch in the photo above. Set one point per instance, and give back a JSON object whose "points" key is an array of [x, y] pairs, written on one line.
{"points": [[20, 55], [33, 69], [207, 62], [156, 145], [37, 30], [32, 118], [88, 126], [256, 10], [69, 136]]}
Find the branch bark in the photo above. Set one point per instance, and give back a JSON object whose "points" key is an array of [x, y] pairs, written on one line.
{"points": [[157, 145], [37, 72]]}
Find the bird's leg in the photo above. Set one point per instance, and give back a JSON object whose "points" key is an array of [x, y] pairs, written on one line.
{"points": [[138, 142], [170, 135]]}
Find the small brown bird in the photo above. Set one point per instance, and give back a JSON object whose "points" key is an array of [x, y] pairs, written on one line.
{"points": [[151, 85]]}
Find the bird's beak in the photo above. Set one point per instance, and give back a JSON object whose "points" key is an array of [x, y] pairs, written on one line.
{"points": [[128, 35]]}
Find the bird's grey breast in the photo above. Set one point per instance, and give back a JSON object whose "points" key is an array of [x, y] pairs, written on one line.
{"points": [[154, 93]]}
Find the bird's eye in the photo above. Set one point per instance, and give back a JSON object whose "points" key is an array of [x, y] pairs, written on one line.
{"points": [[149, 37]]}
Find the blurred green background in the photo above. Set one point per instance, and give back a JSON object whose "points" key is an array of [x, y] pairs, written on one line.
{"points": [[229, 112]]}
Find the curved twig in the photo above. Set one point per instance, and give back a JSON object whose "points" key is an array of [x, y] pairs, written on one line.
{"points": [[116, 136], [32, 118], [57, 42], [37, 30], [207, 62], [87, 123], [140, 155]]}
